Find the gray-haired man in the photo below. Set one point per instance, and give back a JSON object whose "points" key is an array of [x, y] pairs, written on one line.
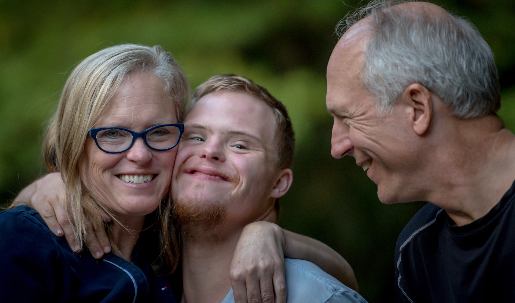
{"points": [[413, 91]]}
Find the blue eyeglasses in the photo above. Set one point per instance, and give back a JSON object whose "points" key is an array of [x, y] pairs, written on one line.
{"points": [[115, 140]]}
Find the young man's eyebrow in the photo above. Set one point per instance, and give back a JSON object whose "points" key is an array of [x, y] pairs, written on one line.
{"points": [[235, 132], [230, 132]]}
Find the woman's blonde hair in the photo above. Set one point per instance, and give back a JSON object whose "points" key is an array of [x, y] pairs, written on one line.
{"points": [[87, 92]]}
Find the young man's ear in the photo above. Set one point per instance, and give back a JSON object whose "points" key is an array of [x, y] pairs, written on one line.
{"points": [[283, 183], [420, 106]]}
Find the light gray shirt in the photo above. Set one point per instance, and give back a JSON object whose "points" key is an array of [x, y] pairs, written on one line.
{"points": [[306, 282]]}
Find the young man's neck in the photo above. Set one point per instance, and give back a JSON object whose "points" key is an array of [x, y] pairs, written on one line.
{"points": [[206, 261]]}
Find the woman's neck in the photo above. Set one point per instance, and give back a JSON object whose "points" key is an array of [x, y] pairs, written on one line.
{"points": [[125, 237]]}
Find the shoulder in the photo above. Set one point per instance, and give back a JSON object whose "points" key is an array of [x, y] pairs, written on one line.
{"points": [[306, 282], [22, 217], [421, 221], [21, 228], [30, 253]]}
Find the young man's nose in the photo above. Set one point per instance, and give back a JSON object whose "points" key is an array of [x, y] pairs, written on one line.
{"points": [[213, 150]]}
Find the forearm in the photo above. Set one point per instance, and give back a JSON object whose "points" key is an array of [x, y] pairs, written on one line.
{"points": [[25, 196], [301, 247]]}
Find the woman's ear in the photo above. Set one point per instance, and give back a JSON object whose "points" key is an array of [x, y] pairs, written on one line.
{"points": [[420, 105], [283, 183]]}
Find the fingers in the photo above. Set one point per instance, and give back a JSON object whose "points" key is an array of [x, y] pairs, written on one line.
{"points": [[66, 227], [267, 289], [279, 281], [255, 281], [101, 234], [47, 198], [257, 268], [239, 290], [271, 283], [245, 285], [254, 293], [46, 211], [103, 239], [92, 242]]}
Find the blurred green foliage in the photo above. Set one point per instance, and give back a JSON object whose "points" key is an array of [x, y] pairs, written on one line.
{"points": [[283, 45]]}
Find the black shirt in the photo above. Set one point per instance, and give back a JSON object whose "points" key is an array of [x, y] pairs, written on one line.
{"points": [[439, 262]]}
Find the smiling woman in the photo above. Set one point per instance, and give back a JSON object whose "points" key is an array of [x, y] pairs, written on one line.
{"points": [[139, 102], [112, 139]]}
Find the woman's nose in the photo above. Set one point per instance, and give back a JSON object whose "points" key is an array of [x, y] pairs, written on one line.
{"points": [[139, 152]]}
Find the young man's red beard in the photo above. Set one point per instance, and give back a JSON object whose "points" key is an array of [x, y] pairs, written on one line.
{"points": [[197, 218]]}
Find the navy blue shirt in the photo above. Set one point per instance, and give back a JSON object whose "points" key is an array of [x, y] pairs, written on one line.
{"points": [[37, 266]]}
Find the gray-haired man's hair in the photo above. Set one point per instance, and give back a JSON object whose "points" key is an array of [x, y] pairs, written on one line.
{"points": [[444, 53]]}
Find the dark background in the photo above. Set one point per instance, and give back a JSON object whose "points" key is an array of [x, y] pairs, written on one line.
{"points": [[283, 45]]}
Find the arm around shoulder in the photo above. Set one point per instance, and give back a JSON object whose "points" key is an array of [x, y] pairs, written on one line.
{"points": [[25, 196], [305, 248], [257, 267]]}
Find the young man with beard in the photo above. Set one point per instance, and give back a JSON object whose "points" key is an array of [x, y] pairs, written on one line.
{"points": [[233, 164]]}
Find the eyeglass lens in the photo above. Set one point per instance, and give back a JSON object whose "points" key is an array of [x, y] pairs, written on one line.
{"points": [[115, 140]]}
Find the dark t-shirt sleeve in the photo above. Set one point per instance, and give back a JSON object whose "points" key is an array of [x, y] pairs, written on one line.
{"points": [[28, 258]]}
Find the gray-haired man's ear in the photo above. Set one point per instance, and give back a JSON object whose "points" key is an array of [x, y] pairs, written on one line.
{"points": [[420, 101]]}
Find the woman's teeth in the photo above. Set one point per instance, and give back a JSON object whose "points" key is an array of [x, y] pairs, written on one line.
{"points": [[136, 178]]}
